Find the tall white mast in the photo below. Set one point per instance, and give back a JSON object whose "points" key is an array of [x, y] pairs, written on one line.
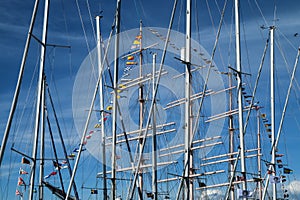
{"points": [[115, 93], [272, 103], [188, 158], [39, 96], [240, 103], [154, 154], [99, 57], [141, 114], [42, 147]]}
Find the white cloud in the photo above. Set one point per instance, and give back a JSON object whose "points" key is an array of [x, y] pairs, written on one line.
{"points": [[294, 187], [211, 194]]}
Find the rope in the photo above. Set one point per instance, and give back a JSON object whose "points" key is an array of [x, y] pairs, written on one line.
{"points": [[256, 84], [85, 35]]}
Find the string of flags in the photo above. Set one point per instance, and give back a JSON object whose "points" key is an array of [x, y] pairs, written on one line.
{"points": [[89, 135], [137, 42], [57, 166], [173, 45], [22, 172], [266, 124], [131, 58]]}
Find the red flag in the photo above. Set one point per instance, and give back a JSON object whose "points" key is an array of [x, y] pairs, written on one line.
{"points": [[21, 181], [19, 193], [51, 174], [22, 171], [88, 136]]}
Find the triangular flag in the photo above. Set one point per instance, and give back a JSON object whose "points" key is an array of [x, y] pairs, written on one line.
{"points": [[18, 193], [25, 161], [21, 182], [22, 171], [51, 174]]}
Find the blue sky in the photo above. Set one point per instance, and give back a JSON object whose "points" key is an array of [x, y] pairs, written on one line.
{"points": [[65, 29]]}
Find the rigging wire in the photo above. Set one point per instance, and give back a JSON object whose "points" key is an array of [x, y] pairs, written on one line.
{"points": [[91, 19], [180, 15], [52, 81], [246, 48], [214, 27], [136, 9], [68, 36], [85, 36], [278, 44], [256, 85], [287, 40], [27, 101], [261, 13]]}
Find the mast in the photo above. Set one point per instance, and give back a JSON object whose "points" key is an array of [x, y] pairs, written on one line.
{"points": [[39, 104], [154, 153], [259, 155], [141, 114], [101, 106], [272, 103], [114, 117], [240, 106], [188, 158], [20, 77], [231, 137], [42, 148]]}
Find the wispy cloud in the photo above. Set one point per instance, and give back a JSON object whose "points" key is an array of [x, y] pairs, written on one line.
{"points": [[212, 194], [294, 187]]}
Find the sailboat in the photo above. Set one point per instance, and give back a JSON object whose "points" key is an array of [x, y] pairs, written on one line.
{"points": [[152, 107]]}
